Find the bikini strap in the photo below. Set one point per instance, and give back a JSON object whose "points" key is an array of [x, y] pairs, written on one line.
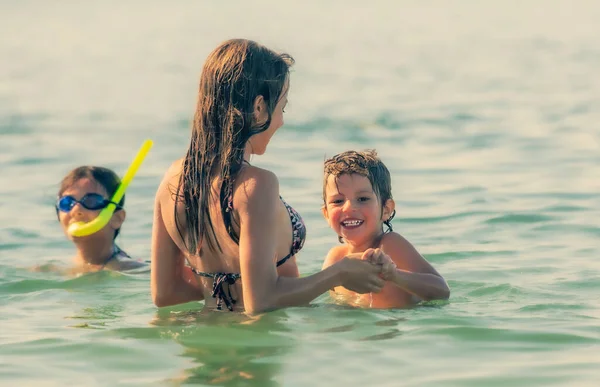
{"points": [[116, 251], [220, 279]]}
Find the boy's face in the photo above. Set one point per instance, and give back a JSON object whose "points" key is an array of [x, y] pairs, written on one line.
{"points": [[80, 214], [353, 210]]}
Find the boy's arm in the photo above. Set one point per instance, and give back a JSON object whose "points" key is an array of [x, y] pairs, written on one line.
{"points": [[413, 273]]}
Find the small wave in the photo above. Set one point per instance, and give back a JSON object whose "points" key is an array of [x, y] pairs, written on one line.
{"points": [[520, 218]]}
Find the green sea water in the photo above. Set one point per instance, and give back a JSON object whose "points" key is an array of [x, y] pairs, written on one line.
{"points": [[486, 113]]}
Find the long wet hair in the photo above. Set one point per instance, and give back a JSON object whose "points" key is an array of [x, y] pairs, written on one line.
{"points": [[107, 178], [234, 75]]}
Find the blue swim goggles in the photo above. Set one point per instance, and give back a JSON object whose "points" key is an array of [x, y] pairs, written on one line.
{"points": [[90, 201]]}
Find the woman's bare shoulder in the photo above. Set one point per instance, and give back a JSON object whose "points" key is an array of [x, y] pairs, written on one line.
{"points": [[251, 174], [170, 182], [254, 183]]}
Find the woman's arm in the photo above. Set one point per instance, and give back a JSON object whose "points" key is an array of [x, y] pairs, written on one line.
{"points": [[411, 271], [172, 282], [263, 288]]}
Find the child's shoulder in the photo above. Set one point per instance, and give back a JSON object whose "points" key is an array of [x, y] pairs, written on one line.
{"points": [[123, 262], [392, 238], [335, 254], [130, 264], [401, 251], [395, 244]]}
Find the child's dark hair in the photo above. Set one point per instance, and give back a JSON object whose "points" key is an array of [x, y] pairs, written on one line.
{"points": [[103, 176], [365, 163]]}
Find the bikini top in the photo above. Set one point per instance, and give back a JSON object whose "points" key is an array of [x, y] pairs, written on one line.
{"points": [[220, 279]]}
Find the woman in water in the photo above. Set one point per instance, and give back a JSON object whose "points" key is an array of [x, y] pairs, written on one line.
{"points": [[223, 216]]}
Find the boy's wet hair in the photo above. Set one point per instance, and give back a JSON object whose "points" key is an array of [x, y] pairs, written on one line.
{"points": [[107, 178], [365, 163]]}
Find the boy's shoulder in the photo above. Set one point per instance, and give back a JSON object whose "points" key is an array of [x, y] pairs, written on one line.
{"points": [[395, 245], [338, 251], [335, 254], [390, 238], [125, 265], [123, 262], [403, 253]]}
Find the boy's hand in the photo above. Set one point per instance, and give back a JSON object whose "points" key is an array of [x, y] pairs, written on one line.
{"points": [[360, 276], [378, 257]]}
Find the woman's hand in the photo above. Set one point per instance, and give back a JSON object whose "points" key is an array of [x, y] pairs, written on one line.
{"points": [[360, 276]]}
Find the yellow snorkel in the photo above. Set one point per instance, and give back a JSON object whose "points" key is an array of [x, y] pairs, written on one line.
{"points": [[80, 229]]}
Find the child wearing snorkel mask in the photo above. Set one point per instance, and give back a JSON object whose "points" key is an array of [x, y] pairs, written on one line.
{"points": [[83, 193]]}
